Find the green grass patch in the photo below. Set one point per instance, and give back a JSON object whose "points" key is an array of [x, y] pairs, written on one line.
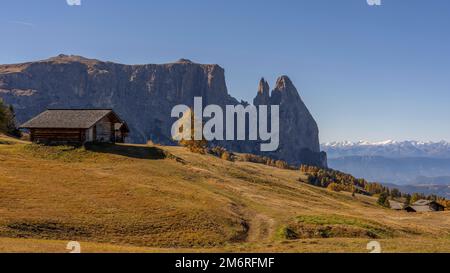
{"points": [[62, 153], [333, 226], [332, 220]]}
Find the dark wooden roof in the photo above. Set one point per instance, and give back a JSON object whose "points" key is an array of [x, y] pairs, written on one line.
{"points": [[396, 205], [421, 208], [70, 118], [423, 202]]}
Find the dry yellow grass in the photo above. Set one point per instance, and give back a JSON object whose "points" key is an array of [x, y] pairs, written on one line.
{"points": [[130, 198]]}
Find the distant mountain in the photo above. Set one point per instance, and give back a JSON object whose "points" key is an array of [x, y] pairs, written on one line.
{"points": [[388, 148], [404, 170], [438, 180], [414, 166], [440, 190]]}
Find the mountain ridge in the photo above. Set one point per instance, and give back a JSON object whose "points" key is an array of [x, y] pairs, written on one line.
{"points": [[389, 148]]}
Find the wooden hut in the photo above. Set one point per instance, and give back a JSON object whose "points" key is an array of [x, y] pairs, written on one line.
{"points": [[425, 206], [76, 126]]}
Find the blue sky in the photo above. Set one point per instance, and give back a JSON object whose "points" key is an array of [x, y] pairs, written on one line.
{"points": [[365, 72]]}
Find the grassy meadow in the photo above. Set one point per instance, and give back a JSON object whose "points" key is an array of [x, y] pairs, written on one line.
{"points": [[142, 198]]}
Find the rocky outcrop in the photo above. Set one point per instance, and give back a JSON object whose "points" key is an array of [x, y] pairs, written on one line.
{"points": [[299, 133], [263, 95], [145, 94]]}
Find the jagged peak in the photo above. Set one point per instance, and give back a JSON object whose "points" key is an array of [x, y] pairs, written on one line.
{"points": [[263, 87], [283, 83]]}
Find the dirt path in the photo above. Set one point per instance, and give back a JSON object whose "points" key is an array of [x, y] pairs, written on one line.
{"points": [[261, 228]]}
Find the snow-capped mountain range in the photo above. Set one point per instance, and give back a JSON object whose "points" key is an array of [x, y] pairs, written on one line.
{"points": [[389, 148]]}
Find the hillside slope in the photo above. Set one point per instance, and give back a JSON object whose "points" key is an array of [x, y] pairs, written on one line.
{"points": [[139, 198]]}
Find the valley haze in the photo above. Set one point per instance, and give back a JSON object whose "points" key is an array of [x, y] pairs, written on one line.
{"points": [[411, 166]]}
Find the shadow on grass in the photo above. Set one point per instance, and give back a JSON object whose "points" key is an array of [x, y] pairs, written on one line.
{"points": [[139, 152]]}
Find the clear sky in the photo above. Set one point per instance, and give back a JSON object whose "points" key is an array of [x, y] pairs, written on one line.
{"points": [[365, 72]]}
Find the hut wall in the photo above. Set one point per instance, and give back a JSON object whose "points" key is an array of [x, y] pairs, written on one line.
{"points": [[90, 135], [104, 130], [57, 136]]}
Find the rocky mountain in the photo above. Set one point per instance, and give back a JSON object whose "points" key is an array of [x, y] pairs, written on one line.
{"points": [[388, 148], [299, 133], [144, 95]]}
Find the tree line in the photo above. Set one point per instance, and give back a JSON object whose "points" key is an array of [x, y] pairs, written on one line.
{"points": [[339, 181]]}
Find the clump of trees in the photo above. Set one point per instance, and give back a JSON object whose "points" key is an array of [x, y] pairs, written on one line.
{"points": [[7, 120], [338, 181], [281, 164]]}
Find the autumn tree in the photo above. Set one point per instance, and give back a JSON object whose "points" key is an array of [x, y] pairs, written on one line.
{"points": [[187, 133]]}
